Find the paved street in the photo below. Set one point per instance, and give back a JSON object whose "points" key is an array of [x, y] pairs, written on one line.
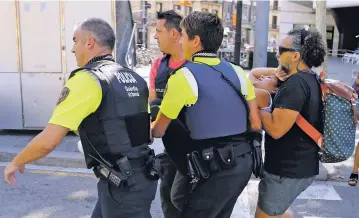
{"points": [[43, 194]]}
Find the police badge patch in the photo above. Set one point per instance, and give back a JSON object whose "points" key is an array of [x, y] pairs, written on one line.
{"points": [[63, 95]]}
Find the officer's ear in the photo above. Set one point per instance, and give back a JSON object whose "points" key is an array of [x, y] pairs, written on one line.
{"points": [[175, 33], [197, 41], [90, 42]]}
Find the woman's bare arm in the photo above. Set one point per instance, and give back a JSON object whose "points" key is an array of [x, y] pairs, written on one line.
{"points": [[261, 71]]}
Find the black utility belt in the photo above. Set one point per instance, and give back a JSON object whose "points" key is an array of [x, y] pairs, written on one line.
{"points": [[204, 163], [121, 175]]}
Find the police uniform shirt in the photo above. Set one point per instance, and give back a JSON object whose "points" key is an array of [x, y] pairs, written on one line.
{"points": [[81, 96], [182, 89]]}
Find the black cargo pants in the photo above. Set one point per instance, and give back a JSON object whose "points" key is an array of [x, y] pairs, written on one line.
{"points": [[134, 201], [216, 197], [169, 172]]}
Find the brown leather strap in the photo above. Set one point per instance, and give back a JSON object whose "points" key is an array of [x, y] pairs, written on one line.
{"points": [[322, 74]]}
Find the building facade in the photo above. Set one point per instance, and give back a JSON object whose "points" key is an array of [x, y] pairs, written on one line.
{"points": [[249, 20], [342, 31], [144, 14], [296, 16]]}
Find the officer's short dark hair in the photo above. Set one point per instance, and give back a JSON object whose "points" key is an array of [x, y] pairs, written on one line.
{"points": [[172, 18], [208, 26], [101, 30]]}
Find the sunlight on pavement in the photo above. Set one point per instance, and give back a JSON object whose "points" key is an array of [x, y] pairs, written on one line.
{"points": [[61, 173]]}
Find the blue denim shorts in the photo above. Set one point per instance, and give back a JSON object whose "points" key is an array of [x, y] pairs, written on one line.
{"points": [[277, 193]]}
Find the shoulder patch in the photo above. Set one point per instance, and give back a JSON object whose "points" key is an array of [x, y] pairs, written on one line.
{"points": [[63, 95]]}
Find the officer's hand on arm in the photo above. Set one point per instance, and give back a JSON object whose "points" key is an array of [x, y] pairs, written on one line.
{"points": [[160, 125], [181, 90], [80, 97]]}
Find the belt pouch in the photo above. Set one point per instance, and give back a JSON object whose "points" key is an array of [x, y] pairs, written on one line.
{"points": [[208, 155], [153, 166], [257, 158], [125, 169], [255, 140], [200, 165], [227, 157], [192, 172]]}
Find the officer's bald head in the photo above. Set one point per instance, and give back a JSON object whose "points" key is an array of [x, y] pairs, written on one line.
{"points": [[100, 30]]}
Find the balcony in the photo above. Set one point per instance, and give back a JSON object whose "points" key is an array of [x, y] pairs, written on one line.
{"points": [[246, 20], [275, 8], [274, 26], [308, 4], [213, 2]]}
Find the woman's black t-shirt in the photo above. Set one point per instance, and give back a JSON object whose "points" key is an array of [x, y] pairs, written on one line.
{"points": [[295, 154]]}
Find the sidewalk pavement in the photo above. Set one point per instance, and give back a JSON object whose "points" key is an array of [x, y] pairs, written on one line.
{"points": [[67, 155]]}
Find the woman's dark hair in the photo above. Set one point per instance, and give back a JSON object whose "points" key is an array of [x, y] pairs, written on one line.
{"points": [[310, 44]]}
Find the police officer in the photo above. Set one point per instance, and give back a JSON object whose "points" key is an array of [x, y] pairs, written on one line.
{"points": [[219, 104], [108, 105], [168, 36]]}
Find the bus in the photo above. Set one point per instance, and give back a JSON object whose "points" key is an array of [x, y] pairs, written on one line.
{"points": [[36, 58]]}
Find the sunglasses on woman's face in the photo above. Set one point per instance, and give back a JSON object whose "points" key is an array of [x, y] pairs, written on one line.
{"points": [[284, 49]]}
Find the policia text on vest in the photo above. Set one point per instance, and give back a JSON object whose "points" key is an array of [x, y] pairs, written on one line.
{"points": [[216, 151]]}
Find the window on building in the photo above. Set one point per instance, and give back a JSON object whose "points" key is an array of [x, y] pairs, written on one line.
{"points": [[215, 12], [275, 5], [159, 6], [274, 22], [253, 14], [330, 32], [244, 12]]}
